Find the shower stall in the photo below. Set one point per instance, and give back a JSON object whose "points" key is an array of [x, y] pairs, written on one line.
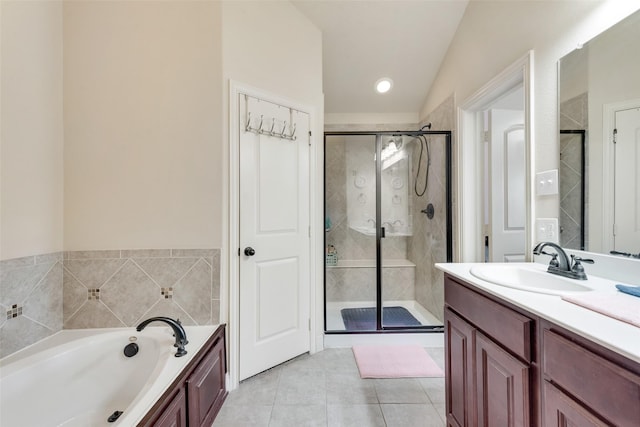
{"points": [[388, 220]]}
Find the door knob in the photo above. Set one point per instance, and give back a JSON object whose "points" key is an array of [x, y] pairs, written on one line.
{"points": [[249, 251]]}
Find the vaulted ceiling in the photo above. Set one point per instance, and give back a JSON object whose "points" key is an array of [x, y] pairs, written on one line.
{"points": [[405, 40]]}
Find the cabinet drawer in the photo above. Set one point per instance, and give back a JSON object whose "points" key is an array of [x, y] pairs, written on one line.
{"points": [[561, 410], [607, 389], [507, 327]]}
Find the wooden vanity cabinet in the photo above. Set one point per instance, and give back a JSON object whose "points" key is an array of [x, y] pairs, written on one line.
{"points": [[206, 389], [585, 384], [174, 414], [508, 367], [490, 367], [196, 396]]}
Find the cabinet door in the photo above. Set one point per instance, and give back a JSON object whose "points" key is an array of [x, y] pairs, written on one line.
{"points": [[460, 389], [562, 411], [502, 386], [175, 413], [206, 387]]}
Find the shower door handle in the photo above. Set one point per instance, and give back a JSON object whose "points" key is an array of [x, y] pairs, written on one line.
{"points": [[382, 232], [249, 251]]}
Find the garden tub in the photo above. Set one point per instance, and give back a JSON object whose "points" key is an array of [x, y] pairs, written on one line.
{"points": [[83, 378]]}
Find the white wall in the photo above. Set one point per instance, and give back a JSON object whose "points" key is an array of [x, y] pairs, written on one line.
{"points": [[612, 77], [494, 34], [272, 46], [31, 128], [143, 124]]}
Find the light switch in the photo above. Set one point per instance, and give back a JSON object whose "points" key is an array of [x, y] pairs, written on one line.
{"points": [[547, 230], [547, 182]]}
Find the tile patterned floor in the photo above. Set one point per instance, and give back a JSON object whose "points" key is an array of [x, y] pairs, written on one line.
{"points": [[325, 389]]}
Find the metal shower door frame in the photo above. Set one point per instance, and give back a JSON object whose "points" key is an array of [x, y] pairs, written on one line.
{"points": [[380, 328]]}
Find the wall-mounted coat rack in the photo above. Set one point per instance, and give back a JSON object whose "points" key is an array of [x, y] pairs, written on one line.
{"points": [[271, 127]]}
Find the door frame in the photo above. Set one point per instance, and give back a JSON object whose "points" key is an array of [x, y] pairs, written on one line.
{"points": [[469, 156], [608, 168], [231, 223]]}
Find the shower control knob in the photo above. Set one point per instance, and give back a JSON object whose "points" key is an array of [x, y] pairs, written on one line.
{"points": [[249, 251]]}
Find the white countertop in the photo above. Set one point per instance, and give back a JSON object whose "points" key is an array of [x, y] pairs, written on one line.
{"points": [[618, 336]]}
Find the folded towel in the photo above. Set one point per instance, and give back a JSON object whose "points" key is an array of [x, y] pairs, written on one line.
{"points": [[615, 305], [631, 290]]}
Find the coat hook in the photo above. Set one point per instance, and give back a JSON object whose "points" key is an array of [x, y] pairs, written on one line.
{"points": [[248, 126], [260, 127], [273, 123], [284, 127], [293, 132]]}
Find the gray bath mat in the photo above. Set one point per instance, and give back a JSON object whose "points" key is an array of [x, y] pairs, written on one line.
{"points": [[364, 319]]}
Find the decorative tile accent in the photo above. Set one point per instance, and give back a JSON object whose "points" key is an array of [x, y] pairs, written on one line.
{"points": [[14, 312], [41, 294], [31, 298], [135, 284], [93, 294]]}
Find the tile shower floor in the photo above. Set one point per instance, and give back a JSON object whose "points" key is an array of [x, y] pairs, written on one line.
{"points": [[335, 322], [325, 389]]}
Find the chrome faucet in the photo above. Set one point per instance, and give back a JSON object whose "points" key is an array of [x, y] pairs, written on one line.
{"points": [[560, 263], [178, 332]]}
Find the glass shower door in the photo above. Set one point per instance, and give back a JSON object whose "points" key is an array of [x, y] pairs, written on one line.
{"points": [[350, 233], [396, 214], [387, 222], [413, 203]]}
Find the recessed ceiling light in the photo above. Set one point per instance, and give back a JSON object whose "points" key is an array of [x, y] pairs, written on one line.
{"points": [[384, 85]]}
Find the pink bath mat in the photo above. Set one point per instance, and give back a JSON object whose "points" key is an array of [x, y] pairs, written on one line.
{"points": [[395, 361]]}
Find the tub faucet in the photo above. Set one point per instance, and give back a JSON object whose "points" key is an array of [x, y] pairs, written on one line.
{"points": [[560, 263], [178, 332]]}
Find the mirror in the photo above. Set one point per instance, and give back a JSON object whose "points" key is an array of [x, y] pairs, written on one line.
{"points": [[599, 149]]}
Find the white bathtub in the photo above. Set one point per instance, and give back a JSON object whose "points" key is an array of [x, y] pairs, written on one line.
{"points": [[81, 377]]}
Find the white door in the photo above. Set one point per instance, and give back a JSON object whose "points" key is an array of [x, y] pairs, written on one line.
{"points": [[274, 232], [507, 204], [627, 181]]}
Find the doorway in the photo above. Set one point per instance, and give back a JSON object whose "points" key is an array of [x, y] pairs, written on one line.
{"points": [[470, 155], [621, 161], [387, 222], [504, 180]]}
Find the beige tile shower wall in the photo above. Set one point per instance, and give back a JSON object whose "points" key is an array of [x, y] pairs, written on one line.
{"points": [[428, 245], [30, 300], [349, 243], [573, 116], [359, 284], [118, 288]]}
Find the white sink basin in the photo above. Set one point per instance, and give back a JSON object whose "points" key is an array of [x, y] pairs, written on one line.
{"points": [[532, 278]]}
